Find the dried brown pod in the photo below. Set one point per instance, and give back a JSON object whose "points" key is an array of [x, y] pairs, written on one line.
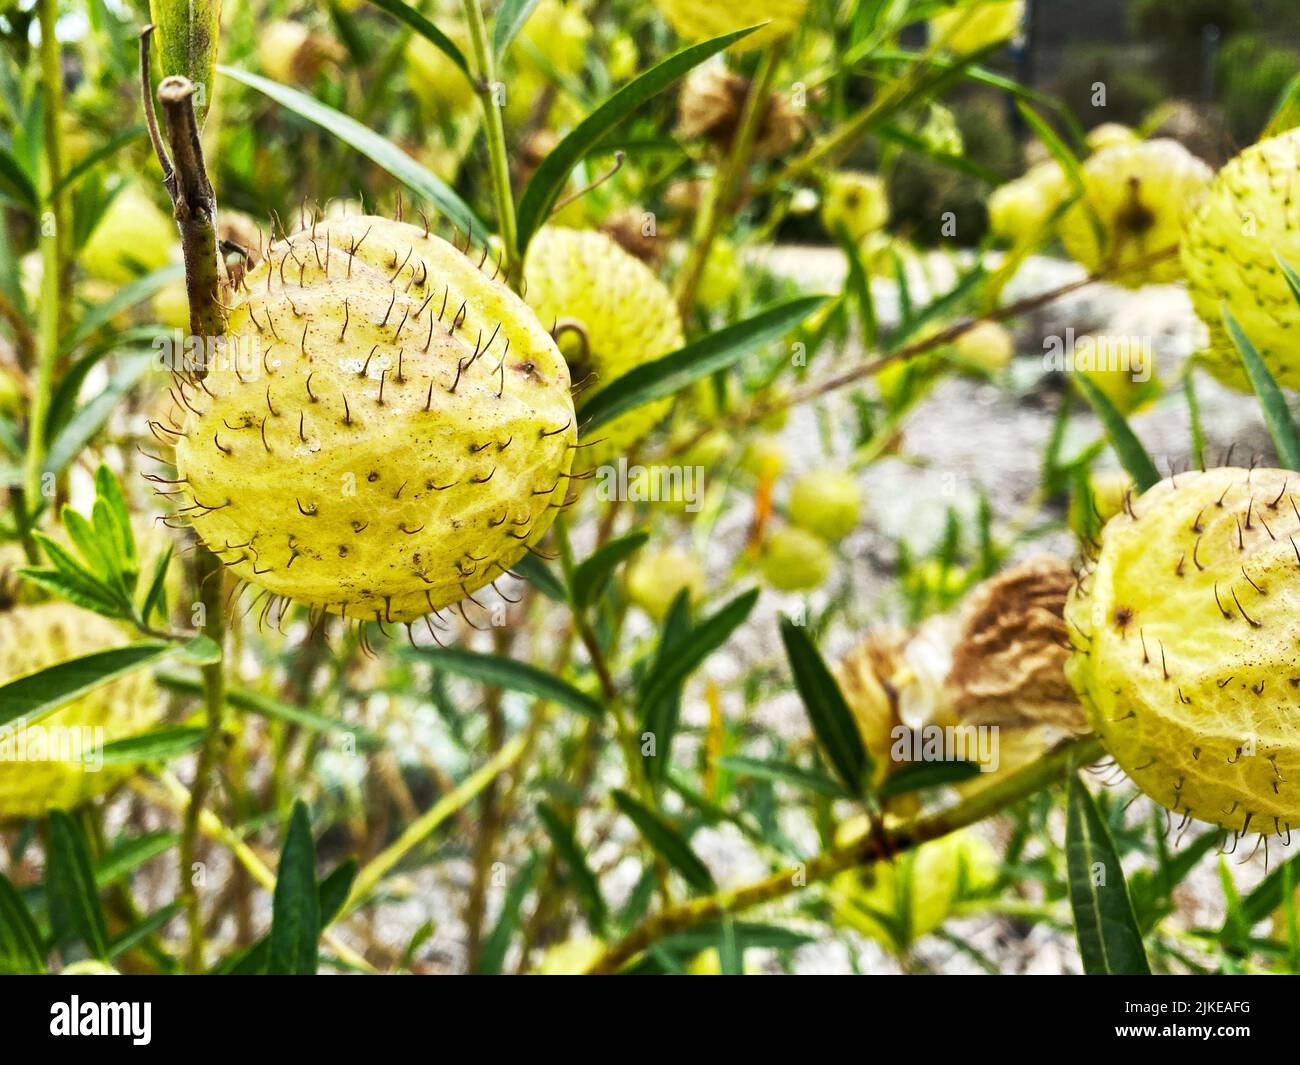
{"points": [[1008, 663], [710, 105]]}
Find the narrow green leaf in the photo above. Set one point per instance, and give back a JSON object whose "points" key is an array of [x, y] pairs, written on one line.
{"points": [[143, 929], [512, 675], [129, 855], [591, 575], [498, 941], [75, 913], [510, 19], [155, 599], [332, 893], [831, 718], [122, 299], [1277, 415], [787, 772], [921, 775], [664, 377], [16, 183], [295, 909], [660, 718], [1132, 455], [158, 745], [667, 841], [705, 638], [1265, 897], [381, 152], [334, 890], [265, 706], [37, 694], [1290, 273], [80, 588], [427, 30], [1109, 940], [575, 860], [553, 173], [1069, 162], [105, 151], [116, 520], [20, 943], [542, 577], [88, 419]]}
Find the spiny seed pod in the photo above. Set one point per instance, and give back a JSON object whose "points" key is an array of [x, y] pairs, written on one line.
{"points": [[1185, 650], [697, 21], [827, 503], [1019, 210], [795, 560], [972, 27], [655, 578], [393, 431], [1140, 195], [38, 772], [855, 203], [611, 314], [1249, 219]]}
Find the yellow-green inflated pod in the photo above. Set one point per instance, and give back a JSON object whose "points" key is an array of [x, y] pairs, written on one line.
{"points": [[1136, 199], [1185, 649], [54, 763], [388, 427], [1249, 219], [612, 315]]}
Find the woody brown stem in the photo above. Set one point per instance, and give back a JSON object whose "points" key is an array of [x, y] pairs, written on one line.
{"points": [[195, 207]]}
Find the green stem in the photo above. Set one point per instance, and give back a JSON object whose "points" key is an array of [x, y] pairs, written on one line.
{"points": [[725, 181], [861, 852], [209, 574], [54, 254], [484, 68]]}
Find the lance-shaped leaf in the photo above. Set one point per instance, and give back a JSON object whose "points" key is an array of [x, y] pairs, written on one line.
{"points": [[667, 841], [1110, 942], [591, 574], [831, 719], [295, 910], [513, 675], [1132, 455], [1277, 415], [664, 377], [550, 178], [37, 694], [75, 913], [381, 152], [705, 638]]}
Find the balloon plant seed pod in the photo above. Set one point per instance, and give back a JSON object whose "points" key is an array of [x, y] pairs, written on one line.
{"points": [[387, 429], [1249, 219], [1185, 650]]}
